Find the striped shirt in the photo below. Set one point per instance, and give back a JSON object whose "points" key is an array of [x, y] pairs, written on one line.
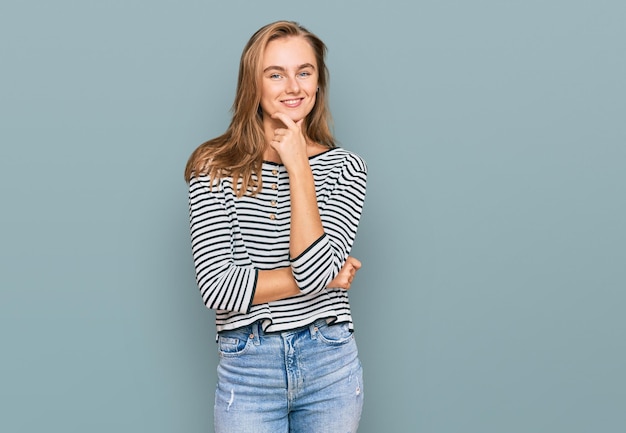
{"points": [[232, 238]]}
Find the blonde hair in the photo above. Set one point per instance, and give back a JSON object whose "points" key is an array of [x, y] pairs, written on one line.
{"points": [[238, 152]]}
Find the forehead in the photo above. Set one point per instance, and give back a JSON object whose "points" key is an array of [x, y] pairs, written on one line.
{"points": [[288, 52]]}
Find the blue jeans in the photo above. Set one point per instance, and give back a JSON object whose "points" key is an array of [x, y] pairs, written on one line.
{"points": [[307, 380]]}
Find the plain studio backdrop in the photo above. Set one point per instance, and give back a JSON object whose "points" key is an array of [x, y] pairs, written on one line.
{"points": [[492, 294]]}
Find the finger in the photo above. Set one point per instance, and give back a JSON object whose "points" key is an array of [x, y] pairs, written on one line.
{"points": [[290, 124], [355, 262], [280, 131]]}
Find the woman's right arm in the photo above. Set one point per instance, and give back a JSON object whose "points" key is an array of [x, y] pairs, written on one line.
{"points": [[223, 284], [280, 283]]}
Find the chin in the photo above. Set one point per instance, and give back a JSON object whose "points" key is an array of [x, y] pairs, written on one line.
{"points": [[297, 116]]}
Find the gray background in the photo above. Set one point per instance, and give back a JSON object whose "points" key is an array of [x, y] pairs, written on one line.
{"points": [[493, 241]]}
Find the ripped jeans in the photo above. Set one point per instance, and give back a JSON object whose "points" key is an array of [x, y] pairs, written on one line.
{"points": [[307, 380]]}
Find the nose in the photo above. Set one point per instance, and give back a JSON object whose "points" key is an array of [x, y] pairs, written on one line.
{"points": [[293, 86]]}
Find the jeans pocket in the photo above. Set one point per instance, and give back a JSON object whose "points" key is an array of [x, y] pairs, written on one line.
{"points": [[335, 335], [230, 346]]}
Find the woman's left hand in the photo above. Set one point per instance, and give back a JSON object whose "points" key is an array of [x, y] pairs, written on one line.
{"points": [[289, 142]]}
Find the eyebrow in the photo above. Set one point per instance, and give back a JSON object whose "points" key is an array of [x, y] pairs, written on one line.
{"points": [[280, 68]]}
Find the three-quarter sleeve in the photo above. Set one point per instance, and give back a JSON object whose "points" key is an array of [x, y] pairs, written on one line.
{"points": [[223, 283], [340, 205]]}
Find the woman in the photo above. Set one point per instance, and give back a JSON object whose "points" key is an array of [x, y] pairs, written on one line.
{"points": [[274, 209]]}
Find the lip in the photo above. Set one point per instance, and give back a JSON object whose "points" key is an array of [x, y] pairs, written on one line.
{"points": [[292, 103]]}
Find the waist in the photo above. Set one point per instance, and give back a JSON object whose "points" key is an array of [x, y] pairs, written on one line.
{"points": [[259, 328]]}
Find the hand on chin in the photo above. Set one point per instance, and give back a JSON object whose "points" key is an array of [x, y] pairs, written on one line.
{"points": [[295, 118]]}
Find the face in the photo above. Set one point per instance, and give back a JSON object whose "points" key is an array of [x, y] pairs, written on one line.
{"points": [[289, 81]]}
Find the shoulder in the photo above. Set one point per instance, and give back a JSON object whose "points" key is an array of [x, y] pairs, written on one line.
{"points": [[341, 157], [205, 185]]}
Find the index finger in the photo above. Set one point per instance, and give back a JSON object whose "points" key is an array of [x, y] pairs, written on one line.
{"points": [[290, 124]]}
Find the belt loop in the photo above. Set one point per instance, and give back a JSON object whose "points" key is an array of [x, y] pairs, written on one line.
{"points": [[313, 330], [256, 327]]}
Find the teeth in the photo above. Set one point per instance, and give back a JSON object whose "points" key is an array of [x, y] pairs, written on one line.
{"points": [[291, 101]]}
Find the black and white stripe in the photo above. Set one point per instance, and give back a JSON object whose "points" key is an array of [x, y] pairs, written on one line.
{"points": [[232, 238]]}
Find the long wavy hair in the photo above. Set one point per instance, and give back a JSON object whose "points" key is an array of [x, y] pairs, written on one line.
{"points": [[238, 153]]}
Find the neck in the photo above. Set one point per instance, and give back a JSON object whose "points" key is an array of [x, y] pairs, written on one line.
{"points": [[271, 155], [269, 126]]}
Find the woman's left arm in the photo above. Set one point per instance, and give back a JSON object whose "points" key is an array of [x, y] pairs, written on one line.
{"points": [[306, 224], [340, 213], [319, 242]]}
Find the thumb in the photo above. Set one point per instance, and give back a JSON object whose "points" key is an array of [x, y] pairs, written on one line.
{"points": [[354, 262]]}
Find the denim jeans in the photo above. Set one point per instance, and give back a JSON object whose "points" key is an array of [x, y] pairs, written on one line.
{"points": [[307, 380]]}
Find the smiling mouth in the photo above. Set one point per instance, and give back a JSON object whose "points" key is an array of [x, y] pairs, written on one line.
{"points": [[292, 102]]}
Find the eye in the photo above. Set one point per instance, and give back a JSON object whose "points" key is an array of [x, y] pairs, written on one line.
{"points": [[274, 76], [304, 74]]}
